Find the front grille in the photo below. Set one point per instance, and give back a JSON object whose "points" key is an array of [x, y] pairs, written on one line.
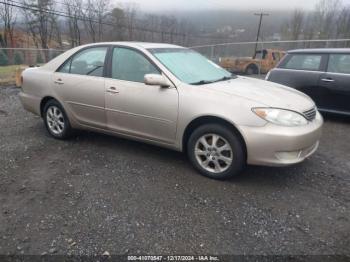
{"points": [[310, 114]]}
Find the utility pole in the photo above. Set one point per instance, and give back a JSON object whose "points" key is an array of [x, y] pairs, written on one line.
{"points": [[258, 34]]}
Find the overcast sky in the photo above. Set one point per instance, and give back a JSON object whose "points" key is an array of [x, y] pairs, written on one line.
{"points": [[156, 5]]}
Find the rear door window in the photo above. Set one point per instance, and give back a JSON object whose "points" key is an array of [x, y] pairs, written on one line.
{"points": [[339, 63], [87, 62], [304, 62]]}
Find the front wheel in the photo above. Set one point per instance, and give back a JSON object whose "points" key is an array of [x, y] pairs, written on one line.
{"points": [[216, 151]]}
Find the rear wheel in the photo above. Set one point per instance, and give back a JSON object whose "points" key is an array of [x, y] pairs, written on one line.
{"points": [[56, 120], [216, 151]]}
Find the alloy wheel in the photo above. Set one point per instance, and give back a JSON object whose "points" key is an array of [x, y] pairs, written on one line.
{"points": [[213, 153], [55, 120]]}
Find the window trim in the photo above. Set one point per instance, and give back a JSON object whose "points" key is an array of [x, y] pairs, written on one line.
{"points": [[327, 64], [70, 59], [107, 70], [287, 57]]}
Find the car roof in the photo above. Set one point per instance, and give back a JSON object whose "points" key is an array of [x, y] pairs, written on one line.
{"points": [[320, 51], [57, 61], [145, 45]]}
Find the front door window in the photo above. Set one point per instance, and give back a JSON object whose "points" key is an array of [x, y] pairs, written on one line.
{"points": [[131, 65]]}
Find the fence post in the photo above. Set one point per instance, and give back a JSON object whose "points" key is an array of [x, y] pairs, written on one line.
{"points": [[212, 53]]}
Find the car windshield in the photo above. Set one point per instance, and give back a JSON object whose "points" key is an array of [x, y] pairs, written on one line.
{"points": [[190, 67]]}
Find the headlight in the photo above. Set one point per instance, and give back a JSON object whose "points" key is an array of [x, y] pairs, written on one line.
{"points": [[281, 117]]}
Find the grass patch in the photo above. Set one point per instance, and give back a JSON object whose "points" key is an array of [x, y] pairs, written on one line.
{"points": [[8, 74]]}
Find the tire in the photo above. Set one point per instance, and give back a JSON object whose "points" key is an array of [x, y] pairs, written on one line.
{"points": [[206, 158], [59, 126], [251, 69]]}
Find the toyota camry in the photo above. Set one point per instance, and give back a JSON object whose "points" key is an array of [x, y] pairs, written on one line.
{"points": [[173, 97]]}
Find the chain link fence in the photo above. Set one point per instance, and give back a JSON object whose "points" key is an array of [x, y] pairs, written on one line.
{"points": [[242, 49], [13, 60], [27, 56]]}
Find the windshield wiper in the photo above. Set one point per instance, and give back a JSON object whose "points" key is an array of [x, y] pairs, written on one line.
{"points": [[202, 82], [224, 78]]}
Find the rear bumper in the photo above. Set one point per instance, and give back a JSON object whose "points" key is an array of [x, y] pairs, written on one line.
{"points": [[30, 103], [274, 145]]}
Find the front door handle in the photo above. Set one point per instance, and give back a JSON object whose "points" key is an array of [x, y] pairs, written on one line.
{"points": [[112, 90], [59, 81], [328, 80]]}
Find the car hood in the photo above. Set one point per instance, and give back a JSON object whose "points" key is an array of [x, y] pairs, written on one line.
{"points": [[263, 92]]}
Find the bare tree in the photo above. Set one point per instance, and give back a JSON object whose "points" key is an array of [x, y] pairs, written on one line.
{"points": [[102, 6], [343, 24], [74, 11], [94, 18], [173, 27], [310, 29], [330, 19], [296, 24], [152, 22], [90, 19], [130, 20], [164, 28], [8, 18], [186, 29], [326, 14], [55, 30], [41, 22]]}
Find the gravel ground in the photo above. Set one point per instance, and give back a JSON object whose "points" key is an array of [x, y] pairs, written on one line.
{"points": [[97, 193]]}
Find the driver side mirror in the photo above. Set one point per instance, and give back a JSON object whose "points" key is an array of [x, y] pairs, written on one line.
{"points": [[156, 80]]}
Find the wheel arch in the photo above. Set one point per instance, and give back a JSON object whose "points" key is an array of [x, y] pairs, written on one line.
{"points": [[43, 102], [208, 119], [254, 65]]}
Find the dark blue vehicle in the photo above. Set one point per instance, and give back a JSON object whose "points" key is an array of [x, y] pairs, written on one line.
{"points": [[323, 74]]}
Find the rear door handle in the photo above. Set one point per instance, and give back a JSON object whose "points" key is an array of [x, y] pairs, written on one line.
{"points": [[112, 90], [328, 80]]}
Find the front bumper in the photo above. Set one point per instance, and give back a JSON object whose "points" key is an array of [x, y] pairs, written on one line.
{"points": [[274, 145]]}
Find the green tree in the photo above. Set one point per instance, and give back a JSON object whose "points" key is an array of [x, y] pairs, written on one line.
{"points": [[3, 59]]}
